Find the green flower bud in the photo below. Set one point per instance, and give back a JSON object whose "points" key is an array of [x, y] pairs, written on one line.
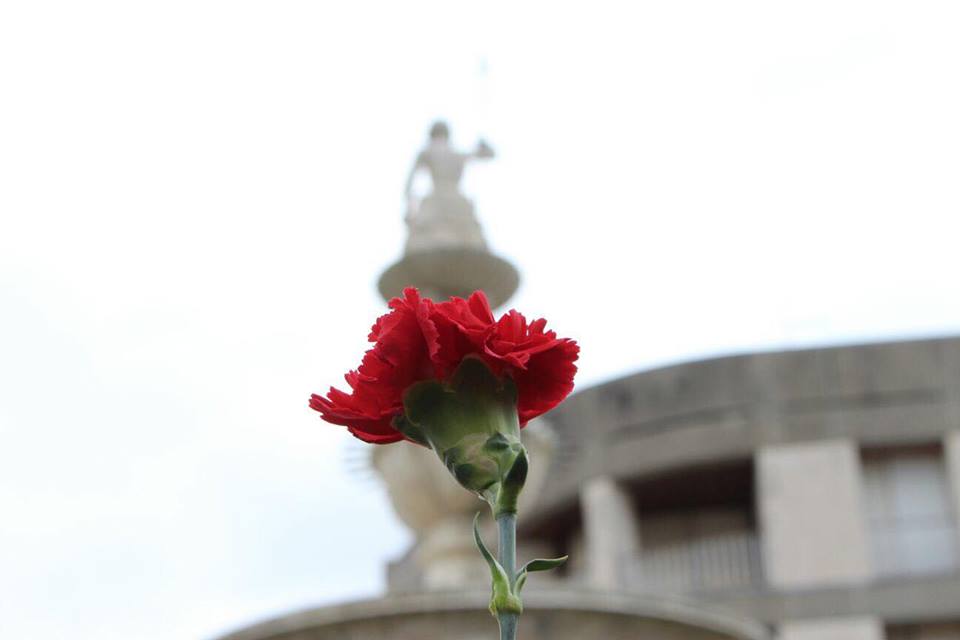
{"points": [[471, 422]]}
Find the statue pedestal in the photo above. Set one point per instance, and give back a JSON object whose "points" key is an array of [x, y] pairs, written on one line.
{"points": [[451, 271]]}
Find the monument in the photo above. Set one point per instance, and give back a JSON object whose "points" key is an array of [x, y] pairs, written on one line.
{"points": [[440, 587], [445, 253]]}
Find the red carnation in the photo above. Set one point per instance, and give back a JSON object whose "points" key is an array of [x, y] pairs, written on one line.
{"points": [[420, 339]]}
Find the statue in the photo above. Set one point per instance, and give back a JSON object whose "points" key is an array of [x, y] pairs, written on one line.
{"points": [[445, 253], [444, 218]]}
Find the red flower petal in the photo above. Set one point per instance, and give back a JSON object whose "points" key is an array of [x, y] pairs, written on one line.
{"points": [[420, 339]]}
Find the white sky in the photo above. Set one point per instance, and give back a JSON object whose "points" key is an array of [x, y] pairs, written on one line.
{"points": [[196, 199]]}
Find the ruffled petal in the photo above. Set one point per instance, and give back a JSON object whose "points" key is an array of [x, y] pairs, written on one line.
{"points": [[546, 380], [399, 358], [540, 363], [419, 339]]}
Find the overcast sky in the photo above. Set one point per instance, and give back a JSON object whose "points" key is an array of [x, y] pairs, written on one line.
{"points": [[196, 199]]}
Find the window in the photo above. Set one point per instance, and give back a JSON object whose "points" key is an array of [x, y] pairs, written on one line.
{"points": [[909, 515]]}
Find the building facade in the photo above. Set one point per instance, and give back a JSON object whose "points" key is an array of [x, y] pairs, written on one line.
{"points": [[816, 491]]}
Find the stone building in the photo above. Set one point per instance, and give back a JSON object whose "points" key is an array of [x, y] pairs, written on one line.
{"points": [[816, 491], [800, 495]]}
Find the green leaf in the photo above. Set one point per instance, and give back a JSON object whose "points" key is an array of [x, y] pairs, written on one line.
{"points": [[502, 600], [495, 567], [521, 580], [544, 564], [540, 564]]}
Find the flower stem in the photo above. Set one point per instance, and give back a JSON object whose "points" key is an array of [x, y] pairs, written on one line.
{"points": [[507, 529]]}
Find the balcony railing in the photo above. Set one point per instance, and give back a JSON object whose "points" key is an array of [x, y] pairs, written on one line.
{"points": [[719, 561]]}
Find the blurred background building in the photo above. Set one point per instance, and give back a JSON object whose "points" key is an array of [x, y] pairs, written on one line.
{"points": [[813, 490], [805, 494]]}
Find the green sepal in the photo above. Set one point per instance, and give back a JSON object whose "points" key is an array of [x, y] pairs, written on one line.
{"points": [[502, 600], [512, 484], [409, 430], [470, 421], [539, 564]]}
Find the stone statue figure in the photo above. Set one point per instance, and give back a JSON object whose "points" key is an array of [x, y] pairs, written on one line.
{"points": [[445, 253], [444, 218]]}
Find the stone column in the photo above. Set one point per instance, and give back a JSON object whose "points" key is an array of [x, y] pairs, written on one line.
{"points": [[833, 629], [811, 514], [610, 532], [951, 454]]}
